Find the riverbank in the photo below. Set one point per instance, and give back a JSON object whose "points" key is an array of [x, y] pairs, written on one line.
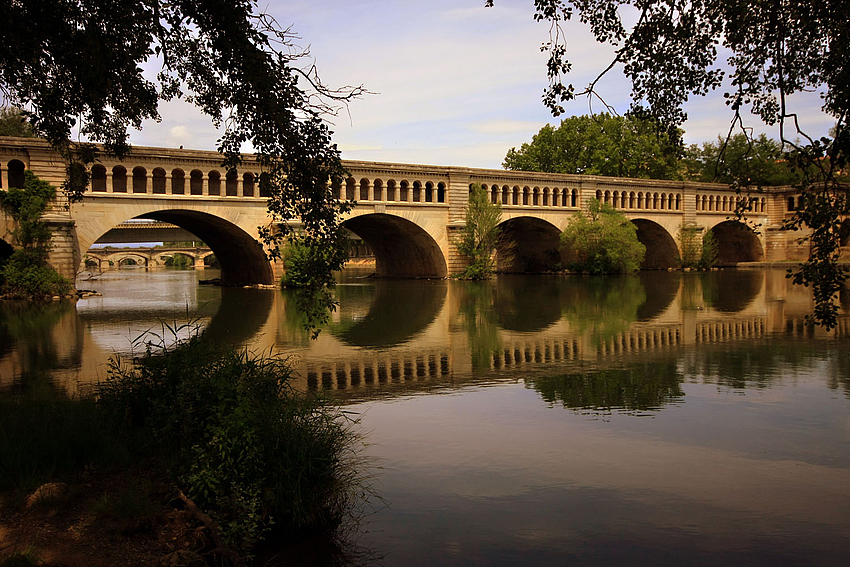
{"points": [[100, 518], [199, 448]]}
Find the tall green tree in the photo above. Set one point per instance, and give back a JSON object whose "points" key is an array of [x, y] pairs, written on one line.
{"points": [[13, 122], [620, 146], [78, 65], [739, 159], [668, 49], [603, 241], [480, 234]]}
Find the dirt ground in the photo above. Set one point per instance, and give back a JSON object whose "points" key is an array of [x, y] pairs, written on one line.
{"points": [[102, 519]]}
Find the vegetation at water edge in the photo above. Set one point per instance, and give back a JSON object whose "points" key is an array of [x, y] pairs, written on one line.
{"points": [[603, 241], [26, 272], [225, 428], [480, 235]]}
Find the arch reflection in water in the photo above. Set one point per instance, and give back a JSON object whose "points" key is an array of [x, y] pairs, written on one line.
{"points": [[384, 314], [67, 346], [731, 291]]}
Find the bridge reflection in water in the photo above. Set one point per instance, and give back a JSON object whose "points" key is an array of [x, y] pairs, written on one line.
{"points": [[520, 328], [392, 337]]}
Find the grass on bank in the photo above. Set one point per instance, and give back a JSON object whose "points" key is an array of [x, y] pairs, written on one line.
{"points": [[226, 428]]}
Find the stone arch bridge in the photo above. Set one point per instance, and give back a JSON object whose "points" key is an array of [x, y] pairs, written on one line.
{"points": [[104, 259], [410, 215]]}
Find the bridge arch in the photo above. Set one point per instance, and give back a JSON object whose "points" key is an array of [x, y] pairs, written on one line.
{"points": [[661, 249], [736, 242], [402, 248], [528, 245], [242, 258]]}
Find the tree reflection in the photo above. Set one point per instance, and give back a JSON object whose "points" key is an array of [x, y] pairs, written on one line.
{"points": [[758, 365], [603, 306], [635, 389], [479, 319], [527, 304], [42, 337]]}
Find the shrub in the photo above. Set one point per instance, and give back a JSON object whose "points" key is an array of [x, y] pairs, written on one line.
{"points": [[480, 235], [697, 253], [603, 242], [26, 272], [246, 447]]}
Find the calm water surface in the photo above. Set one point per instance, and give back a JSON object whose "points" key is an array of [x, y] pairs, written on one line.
{"points": [[667, 419]]}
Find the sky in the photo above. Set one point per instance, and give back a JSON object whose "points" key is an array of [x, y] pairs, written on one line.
{"points": [[453, 83]]}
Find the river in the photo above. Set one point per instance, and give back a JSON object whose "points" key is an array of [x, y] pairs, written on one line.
{"points": [[667, 418]]}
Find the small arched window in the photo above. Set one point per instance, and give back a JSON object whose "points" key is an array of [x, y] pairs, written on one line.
{"points": [[98, 179]]}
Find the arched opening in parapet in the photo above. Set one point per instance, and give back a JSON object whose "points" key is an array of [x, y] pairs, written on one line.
{"points": [[402, 249], [98, 179], [15, 174], [528, 245], [736, 242], [243, 260], [661, 249]]}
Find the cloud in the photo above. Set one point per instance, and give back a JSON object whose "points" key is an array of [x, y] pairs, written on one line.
{"points": [[506, 127], [458, 84]]}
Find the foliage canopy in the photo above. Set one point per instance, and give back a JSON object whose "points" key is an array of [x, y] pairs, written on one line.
{"points": [[669, 49], [79, 66], [739, 159], [601, 145], [13, 122], [603, 241]]}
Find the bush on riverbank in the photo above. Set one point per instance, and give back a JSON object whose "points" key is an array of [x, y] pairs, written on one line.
{"points": [[603, 242], [698, 253], [227, 427], [26, 272]]}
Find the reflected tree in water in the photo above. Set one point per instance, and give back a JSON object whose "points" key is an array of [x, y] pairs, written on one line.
{"points": [[603, 306], [30, 329], [527, 304], [476, 314], [636, 389]]}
